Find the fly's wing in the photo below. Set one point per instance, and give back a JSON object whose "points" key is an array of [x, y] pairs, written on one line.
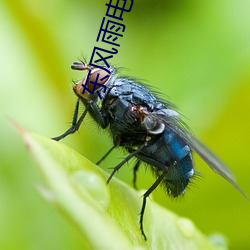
{"points": [[175, 124], [212, 160]]}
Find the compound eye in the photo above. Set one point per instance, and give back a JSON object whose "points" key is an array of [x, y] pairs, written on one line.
{"points": [[97, 78], [153, 126]]}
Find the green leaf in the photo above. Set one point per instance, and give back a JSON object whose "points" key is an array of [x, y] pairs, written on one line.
{"points": [[106, 215]]}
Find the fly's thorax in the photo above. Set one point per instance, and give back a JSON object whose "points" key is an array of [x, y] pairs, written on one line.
{"points": [[97, 79]]}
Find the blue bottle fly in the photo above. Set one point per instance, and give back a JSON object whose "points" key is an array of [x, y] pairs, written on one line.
{"points": [[148, 127]]}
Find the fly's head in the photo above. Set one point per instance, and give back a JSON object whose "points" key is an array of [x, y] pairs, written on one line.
{"points": [[94, 84]]}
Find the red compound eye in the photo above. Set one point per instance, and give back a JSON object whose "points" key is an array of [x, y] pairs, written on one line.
{"points": [[96, 78], [99, 76]]}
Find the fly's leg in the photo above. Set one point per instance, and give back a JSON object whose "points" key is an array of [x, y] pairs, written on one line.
{"points": [[105, 155], [75, 124], [95, 112], [125, 160], [145, 196], [135, 169]]}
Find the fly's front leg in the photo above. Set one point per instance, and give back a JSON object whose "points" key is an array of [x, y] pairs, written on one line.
{"points": [[97, 114], [75, 124], [94, 111]]}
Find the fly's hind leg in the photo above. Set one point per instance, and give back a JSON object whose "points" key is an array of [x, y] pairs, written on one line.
{"points": [[145, 196]]}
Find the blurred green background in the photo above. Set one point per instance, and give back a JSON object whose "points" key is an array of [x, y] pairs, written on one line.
{"points": [[195, 52]]}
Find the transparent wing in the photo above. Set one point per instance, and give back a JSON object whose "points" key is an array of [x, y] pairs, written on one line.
{"points": [[208, 156], [175, 124]]}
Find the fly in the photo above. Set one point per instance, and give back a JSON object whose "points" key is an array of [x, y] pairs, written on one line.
{"points": [[149, 128]]}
